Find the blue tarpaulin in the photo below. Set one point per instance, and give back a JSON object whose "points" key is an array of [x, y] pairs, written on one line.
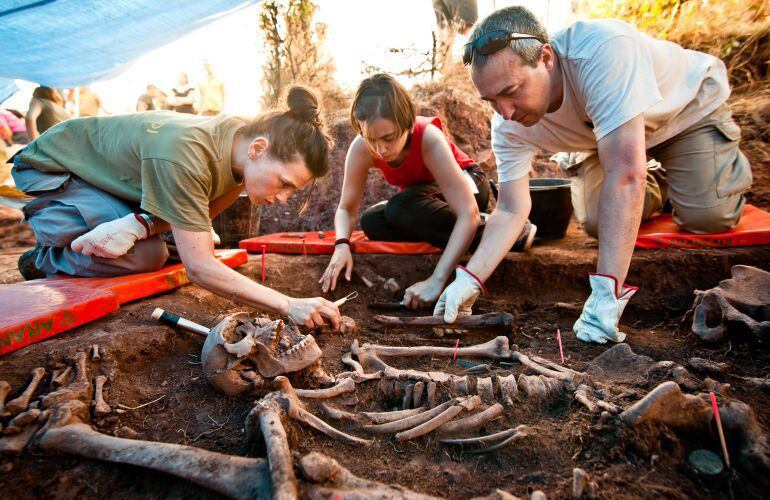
{"points": [[70, 43]]}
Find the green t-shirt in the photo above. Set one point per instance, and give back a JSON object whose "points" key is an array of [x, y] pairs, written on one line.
{"points": [[173, 164]]}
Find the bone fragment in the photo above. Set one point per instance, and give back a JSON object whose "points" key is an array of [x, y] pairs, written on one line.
{"points": [[5, 388], [538, 495], [508, 389], [391, 286], [61, 377], [468, 404], [579, 482], [705, 365], [460, 385], [79, 389], [432, 399], [15, 443], [473, 422], [343, 387], [100, 406], [570, 376], [233, 476], [581, 396], [326, 479], [667, 404], [410, 421], [485, 389], [406, 402], [761, 383], [95, 353], [532, 386], [347, 359], [604, 405], [347, 325], [519, 434], [18, 405], [502, 320], [490, 438], [358, 377], [419, 390], [22, 419]]}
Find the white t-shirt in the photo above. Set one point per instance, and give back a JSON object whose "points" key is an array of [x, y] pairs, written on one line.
{"points": [[612, 73]]}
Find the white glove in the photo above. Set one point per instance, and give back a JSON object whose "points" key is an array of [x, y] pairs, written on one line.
{"points": [[458, 298], [111, 239], [602, 311], [215, 237]]}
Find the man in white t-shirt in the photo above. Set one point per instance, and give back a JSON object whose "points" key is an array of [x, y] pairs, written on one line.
{"points": [[645, 121]]}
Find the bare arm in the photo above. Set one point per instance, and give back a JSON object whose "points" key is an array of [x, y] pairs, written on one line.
{"points": [[196, 249], [31, 119], [623, 158], [441, 163], [503, 227], [357, 164]]}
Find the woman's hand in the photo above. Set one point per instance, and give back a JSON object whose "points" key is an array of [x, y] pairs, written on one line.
{"points": [[311, 312], [423, 293], [341, 259]]}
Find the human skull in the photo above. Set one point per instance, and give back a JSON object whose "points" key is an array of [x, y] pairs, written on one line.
{"points": [[240, 353]]}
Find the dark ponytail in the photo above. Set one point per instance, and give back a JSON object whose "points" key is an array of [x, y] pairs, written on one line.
{"points": [[296, 129]]}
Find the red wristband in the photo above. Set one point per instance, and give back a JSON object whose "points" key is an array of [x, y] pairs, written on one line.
{"points": [[483, 288], [143, 223]]}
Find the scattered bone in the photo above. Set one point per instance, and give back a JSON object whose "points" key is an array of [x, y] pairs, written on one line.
{"points": [[21, 403], [343, 387], [391, 286], [330, 480], [566, 374], [14, 444], [468, 404], [508, 389], [432, 398], [705, 365], [5, 388], [712, 385], [235, 477], [61, 377], [21, 420], [100, 406], [347, 325], [504, 321], [609, 407], [419, 389], [739, 304], [667, 404], [686, 379], [347, 359], [579, 482], [538, 495], [406, 403], [472, 423], [95, 353], [79, 388], [619, 364], [485, 389], [762, 383], [581, 396], [742, 428]]}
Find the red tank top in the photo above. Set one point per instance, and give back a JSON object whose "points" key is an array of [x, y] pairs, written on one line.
{"points": [[413, 169]]}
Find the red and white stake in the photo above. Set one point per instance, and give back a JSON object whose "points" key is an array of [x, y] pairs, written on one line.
{"points": [[715, 408], [558, 339]]}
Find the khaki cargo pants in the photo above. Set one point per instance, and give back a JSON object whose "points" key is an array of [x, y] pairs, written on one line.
{"points": [[701, 171]]}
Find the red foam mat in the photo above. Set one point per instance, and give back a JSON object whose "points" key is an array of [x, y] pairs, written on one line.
{"points": [[36, 310], [662, 232], [322, 243]]}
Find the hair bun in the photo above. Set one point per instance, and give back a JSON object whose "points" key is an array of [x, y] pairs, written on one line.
{"points": [[303, 104]]}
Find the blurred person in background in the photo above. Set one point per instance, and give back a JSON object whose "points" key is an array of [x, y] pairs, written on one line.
{"points": [[212, 92], [182, 98], [46, 109]]}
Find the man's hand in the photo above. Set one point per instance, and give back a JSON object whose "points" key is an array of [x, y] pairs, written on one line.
{"points": [[111, 239], [423, 293], [341, 259], [602, 311], [311, 312]]}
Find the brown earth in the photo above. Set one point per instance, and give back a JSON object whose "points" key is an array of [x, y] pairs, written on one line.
{"points": [[146, 361]]}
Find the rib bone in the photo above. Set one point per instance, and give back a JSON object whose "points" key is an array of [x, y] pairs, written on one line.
{"points": [[468, 404], [343, 387], [472, 423], [410, 421], [21, 403]]}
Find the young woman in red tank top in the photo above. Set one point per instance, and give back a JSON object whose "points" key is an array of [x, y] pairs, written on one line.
{"points": [[442, 190]]}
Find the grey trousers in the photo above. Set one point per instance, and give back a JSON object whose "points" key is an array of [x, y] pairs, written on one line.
{"points": [[66, 207], [701, 171]]}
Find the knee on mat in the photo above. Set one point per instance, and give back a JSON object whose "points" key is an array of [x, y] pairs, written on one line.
{"points": [[397, 213], [370, 222], [150, 254], [707, 220]]}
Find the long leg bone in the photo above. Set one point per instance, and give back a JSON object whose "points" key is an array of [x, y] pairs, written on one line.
{"points": [[472, 423], [468, 404], [502, 320], [21, 403], [100, 406], [343, 387], [268, 413], [496, 348], [236, 477]]}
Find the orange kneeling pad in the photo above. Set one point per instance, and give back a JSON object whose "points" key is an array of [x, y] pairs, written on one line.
{"points": [[312, 243], [36, 310], [662, 232]]}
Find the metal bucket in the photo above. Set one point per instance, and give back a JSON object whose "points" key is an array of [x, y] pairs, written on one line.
{"points": [[551, 207], [238, 222]]}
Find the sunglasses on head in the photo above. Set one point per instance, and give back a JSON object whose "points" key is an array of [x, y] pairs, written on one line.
{"points": [[491, 42]]}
